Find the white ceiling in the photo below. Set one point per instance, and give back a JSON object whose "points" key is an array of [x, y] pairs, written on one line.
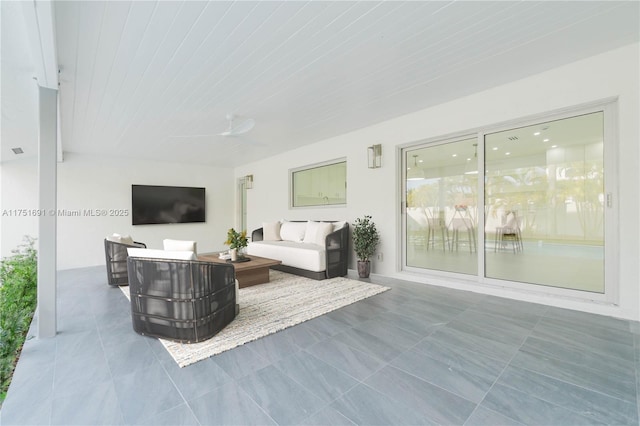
{"points": [[155, 80]]}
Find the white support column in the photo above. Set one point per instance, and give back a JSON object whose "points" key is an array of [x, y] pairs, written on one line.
{"points": [[47, 179]]}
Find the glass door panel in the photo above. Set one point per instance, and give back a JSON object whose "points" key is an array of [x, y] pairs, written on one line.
{"points": [[441, 185], [544, 204]]}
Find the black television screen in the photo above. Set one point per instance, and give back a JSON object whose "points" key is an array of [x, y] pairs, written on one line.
{"points": [[167, 204]]}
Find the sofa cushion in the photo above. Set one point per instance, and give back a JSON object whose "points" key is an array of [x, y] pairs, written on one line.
{"points": [[179, 245], [293, 231], [317, 232], [271, 231], [162, 254], [338, 225], [122, 239], [311, 257]]}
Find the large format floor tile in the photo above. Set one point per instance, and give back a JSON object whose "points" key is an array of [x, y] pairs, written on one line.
{"points": [[416, 355], [159, 393], [596, 405], [321, 379], [366, 406], [622, 386], [530, 410], [432, 402], [345, 358], [284, 400], [469, 378], [229, 405]]}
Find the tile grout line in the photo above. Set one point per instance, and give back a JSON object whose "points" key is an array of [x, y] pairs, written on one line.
{"points": [[507, 365], [565, 345], [104, 353], [175, 385], [560, 380], [435, 327], [241, 389], [359, 382]]}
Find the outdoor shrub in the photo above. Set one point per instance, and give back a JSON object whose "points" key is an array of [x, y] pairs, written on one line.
{"points": [[18, 297]]}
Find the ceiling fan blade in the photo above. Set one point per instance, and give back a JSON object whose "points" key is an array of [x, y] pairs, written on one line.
{"points": [[239, 129], [230, 139]]}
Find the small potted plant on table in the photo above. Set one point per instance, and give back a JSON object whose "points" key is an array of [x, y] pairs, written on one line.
{"points": [[365, 241], [236, 241]]}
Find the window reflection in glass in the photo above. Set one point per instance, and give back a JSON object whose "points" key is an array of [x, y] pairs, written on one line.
{"points": [[442, 212], [544, 203], [319, 185]]}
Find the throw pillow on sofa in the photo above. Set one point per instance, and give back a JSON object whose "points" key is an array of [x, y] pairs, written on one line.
{"points": [[317, 232], [338, 225], [293, 231], [122, 239], [271, 231]]}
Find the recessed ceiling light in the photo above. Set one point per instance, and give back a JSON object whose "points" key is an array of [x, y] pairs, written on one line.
{"points": [[420, 161], [536, 134], [468, 159], [17, 150], [495, 148], [554, 146], [507, 153], [454, 155], [545, 140]]}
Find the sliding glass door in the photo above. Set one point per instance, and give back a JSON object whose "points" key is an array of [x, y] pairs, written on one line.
{"points": [[442, 209], [537, 217], [545, 203]]}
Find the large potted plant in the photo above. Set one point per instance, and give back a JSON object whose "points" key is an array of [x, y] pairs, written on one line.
{"points": [[365, 241], [236, 241]]}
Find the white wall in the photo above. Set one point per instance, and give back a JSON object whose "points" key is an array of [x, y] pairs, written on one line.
{"points": [[92, 183], [18, 191], [375, 191]]}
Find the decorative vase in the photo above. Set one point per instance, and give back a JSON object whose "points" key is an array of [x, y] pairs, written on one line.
{"points": [[234, 254], [364, 268]]}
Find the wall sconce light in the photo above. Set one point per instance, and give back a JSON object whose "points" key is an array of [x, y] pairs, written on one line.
{"points": [[248, 181], [374, 156]]}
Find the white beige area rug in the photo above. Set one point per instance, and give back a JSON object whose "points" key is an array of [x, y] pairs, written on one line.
{"points": [[285, 301]]}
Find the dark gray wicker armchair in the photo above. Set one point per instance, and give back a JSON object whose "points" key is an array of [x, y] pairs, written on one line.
{"points": [[186, 301], [116, 258]]}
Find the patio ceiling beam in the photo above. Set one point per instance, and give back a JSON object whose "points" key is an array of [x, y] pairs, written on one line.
{"points": [[38, 17], [39, 21]]}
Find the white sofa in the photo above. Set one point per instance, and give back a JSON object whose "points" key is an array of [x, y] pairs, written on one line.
{"points": [[314, 249]]}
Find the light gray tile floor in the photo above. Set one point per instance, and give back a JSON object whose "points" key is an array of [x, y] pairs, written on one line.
{"points": [[413, 355]]}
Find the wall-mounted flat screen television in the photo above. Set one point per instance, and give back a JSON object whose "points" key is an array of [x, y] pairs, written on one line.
{"points": [[152, 204]]}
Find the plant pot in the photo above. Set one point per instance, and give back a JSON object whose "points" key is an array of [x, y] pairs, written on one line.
{"points": [[364, 268], [242, 252], [234, 254]]}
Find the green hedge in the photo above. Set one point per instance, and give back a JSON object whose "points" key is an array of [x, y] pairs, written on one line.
{"points": [[18, 297]]}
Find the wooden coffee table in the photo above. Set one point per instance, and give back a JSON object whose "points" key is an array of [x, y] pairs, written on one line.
{"points": [[255, 271]]}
